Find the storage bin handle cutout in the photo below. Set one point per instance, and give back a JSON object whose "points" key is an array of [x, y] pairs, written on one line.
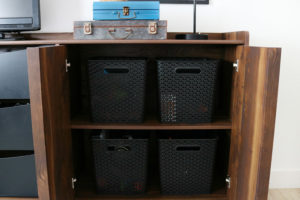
{"points": [[188, 70], [118, 148], [188, 148], [116, 71]]}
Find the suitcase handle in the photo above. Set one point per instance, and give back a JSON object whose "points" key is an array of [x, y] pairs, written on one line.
{"points": [[134, 16], [188, 148], [187, 70], [111, 32]]}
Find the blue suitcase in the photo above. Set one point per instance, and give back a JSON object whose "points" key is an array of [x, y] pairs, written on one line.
{"points": [[126, 10]]}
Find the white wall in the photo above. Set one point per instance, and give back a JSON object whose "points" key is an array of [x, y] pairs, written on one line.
{"points": [[273, 23]]}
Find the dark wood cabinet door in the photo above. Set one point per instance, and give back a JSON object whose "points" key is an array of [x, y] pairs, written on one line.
{"points": [[49, 97], [254, 101]]}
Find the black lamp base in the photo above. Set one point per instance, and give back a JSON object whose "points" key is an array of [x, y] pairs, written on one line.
{"points": [[11, 36], [192, 36]]}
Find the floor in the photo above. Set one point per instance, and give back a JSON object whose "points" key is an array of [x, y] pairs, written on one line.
{"points": [[284, 194]]}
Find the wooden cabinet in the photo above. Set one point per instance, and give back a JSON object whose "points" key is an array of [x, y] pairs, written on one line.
{"points": [[245, 115]]}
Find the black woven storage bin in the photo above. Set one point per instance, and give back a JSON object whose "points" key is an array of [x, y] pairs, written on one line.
{"points": [[120, 165], [187, 88], [186, 165], [117, 90]]}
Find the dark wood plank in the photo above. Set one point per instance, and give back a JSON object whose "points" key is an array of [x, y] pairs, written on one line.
{"points": [[231, 51], [271, 87], [150, 124], [85, 191], [199, 197], [152, 52], [62, 42], [232, 38], [237, 100], [49, 93], [258, 121], [240, 35], [211, 36], [171, 35], [17, 198], [37, 115]]}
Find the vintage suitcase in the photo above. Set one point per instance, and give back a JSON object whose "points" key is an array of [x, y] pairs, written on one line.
{"points": [[120, 30], [126, 10]]}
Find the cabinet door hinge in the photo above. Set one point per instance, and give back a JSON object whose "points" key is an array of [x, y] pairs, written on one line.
{"points": [[228, 181], [74, 180], [236, 65], [68, 65]]}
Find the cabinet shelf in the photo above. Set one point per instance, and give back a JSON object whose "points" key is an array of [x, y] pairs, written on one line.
{"points": [[150, 124], [157, 197], [86, 191], [18, 198]]}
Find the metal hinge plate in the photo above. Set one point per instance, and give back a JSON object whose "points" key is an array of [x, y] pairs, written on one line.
{"points": [[236, 65], [87, 28], [152, 29], [74, 180], [68, 65], [228, 181], [126, 11]]}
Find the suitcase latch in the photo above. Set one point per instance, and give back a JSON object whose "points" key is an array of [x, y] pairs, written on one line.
{"points": [[87, 28], [126, 11], [152, 30]]}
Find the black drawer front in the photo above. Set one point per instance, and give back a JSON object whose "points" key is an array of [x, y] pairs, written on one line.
{"points": [[18, 177], [14, 75], [15, 128]]}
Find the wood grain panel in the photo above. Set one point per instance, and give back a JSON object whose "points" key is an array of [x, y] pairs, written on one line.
{"points": [[240, 35], [258, 121], [231, 51], [271, 93], [232, 38], [52, 42], [202, 197], [37, 118], [17, 198], [49, 93], [171, 35], [88, 193], [151, 124], [237, 100]]}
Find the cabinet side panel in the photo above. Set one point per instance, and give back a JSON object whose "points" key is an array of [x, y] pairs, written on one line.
{"points": [[54, 117], [237, 99], [258, 121], [240, 35], [271, 93], [37, 114]]}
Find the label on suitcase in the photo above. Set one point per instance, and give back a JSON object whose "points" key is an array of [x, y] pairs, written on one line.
{"points": [[121, 30], [126, 10]]}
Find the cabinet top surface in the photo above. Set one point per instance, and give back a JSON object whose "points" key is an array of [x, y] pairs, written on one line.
{"points": [[234, 38], [54, 42]]}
